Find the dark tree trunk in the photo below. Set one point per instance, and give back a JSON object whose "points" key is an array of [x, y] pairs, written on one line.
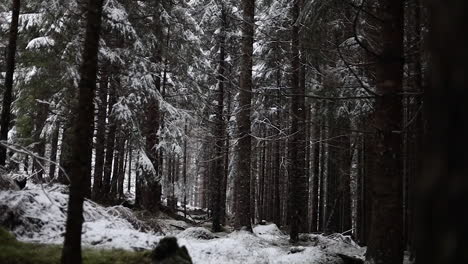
{"points": [[245, 103], [298, 180], [39, 142], [332, 215], [138, 169], [261, 201], [443, 185], [121, 174], [151, 187], [386, 230], [10, 70], [53, 151], [130, 156], [363, 199], [323, 176], [184, 168], [83, 134], [218, 166], [316, 177], [277, 161], [65, 152], [226, 164], [345, 159], [116, 166], [110, 143], [100, 136]]}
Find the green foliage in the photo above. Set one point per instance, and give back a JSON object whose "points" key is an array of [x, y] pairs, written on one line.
{"points": [[15, 252]]}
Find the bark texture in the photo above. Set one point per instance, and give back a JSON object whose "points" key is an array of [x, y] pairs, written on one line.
{"points": [[242, 184], [83, 134], [10, 70], [386, 230]]}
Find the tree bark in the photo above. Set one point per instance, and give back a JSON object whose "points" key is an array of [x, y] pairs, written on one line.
{"points": [[130, 156], [39, 142], [53, 150], [83, 134], [100, 136], [10, 70], [386, 230], [243, 179], [443, 185], [298, 180], [218, 166], [110, 143], [116, 166], [65, 152], [316, 177]]}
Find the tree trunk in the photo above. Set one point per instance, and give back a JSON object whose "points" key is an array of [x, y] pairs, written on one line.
{"points": [[39, 142], [226, 163], [53, 150], [116, 166], [122, 167], [218, 166], [443, 185], [65, 152], [386, 234], [184, 168], [100, 136], [245, 103], [110, 143], [316, 177], [345, 160], [83, 134], [298, 180], [10, 70], [130, 156]]}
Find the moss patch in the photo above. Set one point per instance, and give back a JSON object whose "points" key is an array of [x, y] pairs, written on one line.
{"points": [[15, 252]]}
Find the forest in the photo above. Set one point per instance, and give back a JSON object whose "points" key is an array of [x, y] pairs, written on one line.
{"points": [[225, 131]]}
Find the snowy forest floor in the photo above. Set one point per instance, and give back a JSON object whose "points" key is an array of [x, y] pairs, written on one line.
{"points": [[37, 214]]}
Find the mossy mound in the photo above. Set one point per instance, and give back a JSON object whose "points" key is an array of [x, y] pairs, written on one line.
{"points": [[15, 252]]}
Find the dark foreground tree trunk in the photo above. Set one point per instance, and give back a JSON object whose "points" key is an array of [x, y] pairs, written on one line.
{"points": [[10, 69], [219, 132], [242, 184], [443, 187], [298, 181], [83, 134], [386, 231]]}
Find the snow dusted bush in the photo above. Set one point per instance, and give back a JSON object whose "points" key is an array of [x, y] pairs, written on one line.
{"points": [[39, 214], [197, 233], [127, 214], [270, 229], [7, 182], [335, 244]]}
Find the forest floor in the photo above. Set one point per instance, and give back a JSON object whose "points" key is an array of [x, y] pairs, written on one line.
{"points": [[37, 214]]}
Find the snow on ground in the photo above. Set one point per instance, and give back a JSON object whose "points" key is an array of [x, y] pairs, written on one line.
{"points": [[244, 247], [38, 214]]}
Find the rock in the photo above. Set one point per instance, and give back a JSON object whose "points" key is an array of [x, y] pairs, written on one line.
{"points": [[197, 233], [21, 182], [298, 249], [350, 259], [6, 182], [96, 242], [168, 252]]}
